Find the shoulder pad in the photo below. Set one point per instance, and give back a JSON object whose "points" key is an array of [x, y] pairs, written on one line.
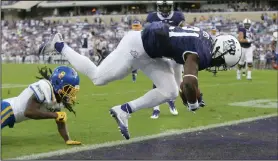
{"points": [[43, 91]]}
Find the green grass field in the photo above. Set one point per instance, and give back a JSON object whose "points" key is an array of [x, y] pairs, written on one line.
{"points": [[93, 123]]}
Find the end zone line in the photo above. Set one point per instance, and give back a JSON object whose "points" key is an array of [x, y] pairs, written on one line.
{"points": [[138, 139]]}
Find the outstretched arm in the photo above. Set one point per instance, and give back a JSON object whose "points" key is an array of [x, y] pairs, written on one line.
{"points": [[62, 128], [189, 86]]}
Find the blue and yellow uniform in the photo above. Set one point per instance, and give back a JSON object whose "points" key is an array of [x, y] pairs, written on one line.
{"points": [[7, 115]]}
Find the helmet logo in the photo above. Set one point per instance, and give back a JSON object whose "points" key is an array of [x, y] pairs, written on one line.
{"points": [[230, 46], [61, 75]]}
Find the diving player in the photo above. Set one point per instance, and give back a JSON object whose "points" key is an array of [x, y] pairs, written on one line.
{"points": [[274, 47], [146, 50], [245, 38], [44, 99], [166, 14]]}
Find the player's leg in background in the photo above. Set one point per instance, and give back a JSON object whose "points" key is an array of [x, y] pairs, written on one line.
{"points": [[215, 71], [7, 115], [156, 109], [116, 66], [249, 62], [244, 69], [134, 75], [240, 65]]}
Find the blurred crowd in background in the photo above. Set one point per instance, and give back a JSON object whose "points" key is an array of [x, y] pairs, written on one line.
{"points": [[21, 39]]}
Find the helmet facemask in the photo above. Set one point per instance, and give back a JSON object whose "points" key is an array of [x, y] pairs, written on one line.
{"points": [[247, 25], [165, 8], [68, 94]]}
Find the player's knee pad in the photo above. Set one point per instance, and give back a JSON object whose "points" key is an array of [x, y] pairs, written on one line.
{"points": [[250, 65]]}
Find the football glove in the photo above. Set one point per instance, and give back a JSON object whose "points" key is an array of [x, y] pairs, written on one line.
{"points": [[72, 142], [62, 117], [193, 107]]}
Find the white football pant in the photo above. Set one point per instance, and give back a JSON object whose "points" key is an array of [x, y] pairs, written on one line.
{"points": [[247, 56], [130, 55]]}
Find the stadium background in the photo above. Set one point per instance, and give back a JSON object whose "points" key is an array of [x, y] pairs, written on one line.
{"points": [[27, 24]]}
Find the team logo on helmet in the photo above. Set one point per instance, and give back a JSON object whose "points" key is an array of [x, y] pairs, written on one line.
{"points": [[61, 75], [230, 46]]}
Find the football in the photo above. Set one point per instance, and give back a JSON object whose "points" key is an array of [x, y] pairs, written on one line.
{"points": [[181, 92]]}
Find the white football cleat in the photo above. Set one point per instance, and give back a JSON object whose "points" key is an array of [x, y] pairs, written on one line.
{"points": [[121, 118], [49, 47], [155, 114], [173, 111]]}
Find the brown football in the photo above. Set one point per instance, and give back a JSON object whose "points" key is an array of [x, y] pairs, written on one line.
{"points": [[181, 92]]}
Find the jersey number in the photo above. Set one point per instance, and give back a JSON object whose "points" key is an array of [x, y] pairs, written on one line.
{"points": [[195, 33]]}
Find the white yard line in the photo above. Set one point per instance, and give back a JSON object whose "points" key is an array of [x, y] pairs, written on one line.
{"points": [[138, 139], [13, 85]]}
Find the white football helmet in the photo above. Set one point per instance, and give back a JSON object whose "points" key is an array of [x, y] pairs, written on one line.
{"points": [[226, 51], [247, 23], [275, 36]]}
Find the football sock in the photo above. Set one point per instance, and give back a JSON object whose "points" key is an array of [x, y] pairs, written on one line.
{"points": [[156, 108], [126, 107], [171, 103], [249, 73]]}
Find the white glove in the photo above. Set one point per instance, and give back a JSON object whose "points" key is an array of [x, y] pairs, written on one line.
{"points": [[193, 107]]}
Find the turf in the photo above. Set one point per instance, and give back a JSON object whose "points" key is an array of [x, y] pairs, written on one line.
{"points": [[93, 123]]}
